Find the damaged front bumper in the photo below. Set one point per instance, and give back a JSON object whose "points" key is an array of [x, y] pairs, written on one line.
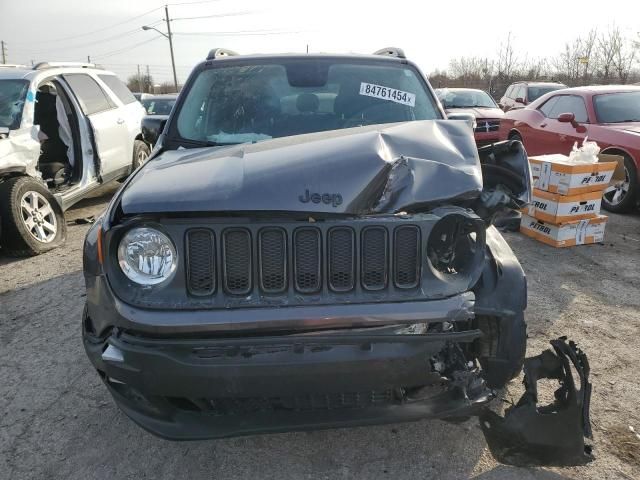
{"points": [[190, 389], [198, 389], [549, 435]]}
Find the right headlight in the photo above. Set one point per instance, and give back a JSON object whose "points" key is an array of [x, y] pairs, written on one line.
{"points": [[147, 256], [455, 244]]}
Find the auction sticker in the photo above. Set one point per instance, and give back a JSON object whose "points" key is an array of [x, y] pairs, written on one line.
{"points": [[386, 93]]}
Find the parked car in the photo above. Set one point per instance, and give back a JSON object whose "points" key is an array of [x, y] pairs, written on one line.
{"points": [[325, 259], [477, 103], [521, 94], [159, 104], [608, 115], [65, 129]]}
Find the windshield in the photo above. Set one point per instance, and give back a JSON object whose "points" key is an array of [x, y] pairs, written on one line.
{"points": [[249, 103], [158, 106], [617, 107], [466, 99], [12, 96], [536, 92]]}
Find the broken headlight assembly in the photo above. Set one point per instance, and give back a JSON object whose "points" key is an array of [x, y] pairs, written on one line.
{"points": [[456, 244], [147, 256]]}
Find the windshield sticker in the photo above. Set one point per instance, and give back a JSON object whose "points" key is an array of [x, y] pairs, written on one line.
{"points": [[386, 93]]}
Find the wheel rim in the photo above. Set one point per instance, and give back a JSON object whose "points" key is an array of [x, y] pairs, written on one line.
{"points": [[38, 217], [142, 157], [615, 194]]}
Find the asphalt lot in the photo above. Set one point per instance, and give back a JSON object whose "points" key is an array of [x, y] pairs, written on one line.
{"points": [[58, 421]]}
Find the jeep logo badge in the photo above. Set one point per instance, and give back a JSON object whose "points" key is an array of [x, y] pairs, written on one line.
{"points": [[333, 199]]}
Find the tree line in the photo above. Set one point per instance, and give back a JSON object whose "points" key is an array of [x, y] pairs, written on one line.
{"points": [[597, 58]]}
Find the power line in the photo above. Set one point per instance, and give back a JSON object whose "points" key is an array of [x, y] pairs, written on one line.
{"points": [[217, 15], [83, 45], [235, 34], [93, 32], [131, 47], [192, 3]]}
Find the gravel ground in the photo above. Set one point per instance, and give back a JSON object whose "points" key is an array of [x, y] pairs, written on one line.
{"points": [[58, 421]]}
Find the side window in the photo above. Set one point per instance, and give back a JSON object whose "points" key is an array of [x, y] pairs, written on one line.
{"points": [[91, 97], [570, 104], [508, 92], [520, 92], [547, 107], [119, 88]]}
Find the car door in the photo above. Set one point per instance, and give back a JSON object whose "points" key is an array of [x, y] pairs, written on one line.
{"points": [[130, 109], [560, 136], [539, 138], [110, 134]]}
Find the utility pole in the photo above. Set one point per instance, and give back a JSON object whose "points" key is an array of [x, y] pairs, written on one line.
{"points": [[148, 82], [88, 58], [169, 36], [3, 47], [139, 80]]}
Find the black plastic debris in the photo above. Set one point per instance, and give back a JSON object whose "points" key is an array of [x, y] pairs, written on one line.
{"points": [[549, 435]]}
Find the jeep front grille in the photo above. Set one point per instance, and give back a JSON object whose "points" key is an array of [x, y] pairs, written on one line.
{"points": [[306, 260], [237, 269], [201, 272]]}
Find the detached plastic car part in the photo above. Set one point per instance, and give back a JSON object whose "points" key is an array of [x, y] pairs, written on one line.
{"points": [[553, 435]]}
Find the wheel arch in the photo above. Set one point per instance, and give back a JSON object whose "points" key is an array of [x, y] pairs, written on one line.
{"points": [[619, 151]]}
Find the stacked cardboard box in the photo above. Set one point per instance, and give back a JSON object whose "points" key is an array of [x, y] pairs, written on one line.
{"points": [[565, 210]]}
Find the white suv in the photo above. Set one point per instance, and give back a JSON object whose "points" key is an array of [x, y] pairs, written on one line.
{"points": [[65, 129]]}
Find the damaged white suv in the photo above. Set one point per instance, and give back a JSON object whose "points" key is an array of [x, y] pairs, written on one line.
{"points": [[65, 129]]}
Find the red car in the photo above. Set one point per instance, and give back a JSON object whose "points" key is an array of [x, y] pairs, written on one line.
{"points": [[480, 104], [608, 115]]}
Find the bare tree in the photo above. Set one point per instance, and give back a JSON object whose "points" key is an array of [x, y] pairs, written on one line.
{"points": [[624, 57], [507, 62], [140, 83]]}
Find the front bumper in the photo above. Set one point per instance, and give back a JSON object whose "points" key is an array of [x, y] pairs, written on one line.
{"points": [[198, 389]]}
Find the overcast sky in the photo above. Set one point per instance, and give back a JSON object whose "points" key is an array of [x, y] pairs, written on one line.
{"points": [[431, 33]]}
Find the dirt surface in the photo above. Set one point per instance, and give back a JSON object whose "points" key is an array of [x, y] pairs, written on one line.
{"points": [[58, 421]]}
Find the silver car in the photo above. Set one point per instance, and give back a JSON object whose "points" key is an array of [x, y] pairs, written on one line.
{"points": [[65, 129]]}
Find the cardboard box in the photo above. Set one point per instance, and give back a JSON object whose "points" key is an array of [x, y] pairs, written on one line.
{"points": [[555, 174], [556, 208], [578, 232]]}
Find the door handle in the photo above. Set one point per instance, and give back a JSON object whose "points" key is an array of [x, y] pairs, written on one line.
{"points": [[542, 125], [120, 121]]}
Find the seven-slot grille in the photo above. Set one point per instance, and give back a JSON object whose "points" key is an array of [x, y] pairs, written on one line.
{"points": [[305, 259], [486, 126]]}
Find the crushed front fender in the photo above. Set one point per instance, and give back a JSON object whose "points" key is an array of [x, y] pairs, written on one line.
{"points": [[549, 435]]}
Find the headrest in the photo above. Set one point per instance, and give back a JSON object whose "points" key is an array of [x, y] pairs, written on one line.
{"points": [[307, 103]]}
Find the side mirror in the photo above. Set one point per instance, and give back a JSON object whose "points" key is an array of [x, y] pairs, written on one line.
{"points": [[567, 118], [571, 118], [467, 117], [520, 100], [152, 126]]}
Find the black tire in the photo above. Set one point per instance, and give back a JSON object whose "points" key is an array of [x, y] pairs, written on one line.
{"points": [[22, 224], [516, 136], [629, 198], [141, 153], [505, 348]]}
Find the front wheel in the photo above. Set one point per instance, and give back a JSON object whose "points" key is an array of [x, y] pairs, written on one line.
{"points": [[32, 220], [141, 153], [622, 196]]}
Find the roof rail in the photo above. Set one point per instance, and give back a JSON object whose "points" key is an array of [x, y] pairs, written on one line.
{"points": [[219, 53], [12, 65], [45, 65], [391, 52]]}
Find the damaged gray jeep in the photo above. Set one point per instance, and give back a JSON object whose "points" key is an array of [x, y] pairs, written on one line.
{"points": [[311, 245]]}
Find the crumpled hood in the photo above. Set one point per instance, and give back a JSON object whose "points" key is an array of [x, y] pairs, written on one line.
{"points": [[380, 168]]}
